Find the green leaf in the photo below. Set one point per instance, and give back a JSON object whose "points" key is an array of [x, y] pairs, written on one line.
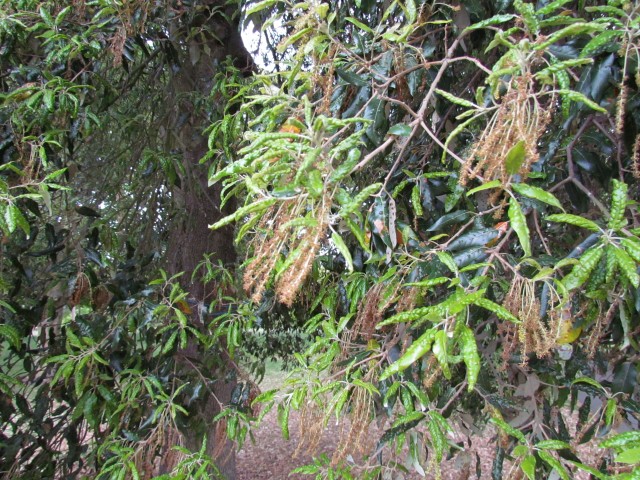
{"points": [[343, 249], [283, 419], [551, 7], [618, 205], [579, 97], [596, 473], [259, 205], [13, 337], [400, 129], [485, 186], [405, 317], [536, 193], [552, 445], [632, 247], [508, 429], [631, 456], [49, 99], [416, 350], [357, 201], [515, 158], [429, 282], [459, 216], [528, 466], [448, 261], [627, 265], [583, 269], [359, 24], [352, 78], [555, 464], [474, 238], [588, 381], [441, 352], [527, 12], [601, 42], [519, 225], [438, 439], [574, 220], [610, 411], [416, 200], [572, 30], [623, 440], [495, 20], [469, 351], [457, 100], [314, 183]]}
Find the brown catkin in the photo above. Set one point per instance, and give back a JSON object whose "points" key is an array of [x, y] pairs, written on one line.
{"points": [[519, 118], [622, 105], [635, 157]]}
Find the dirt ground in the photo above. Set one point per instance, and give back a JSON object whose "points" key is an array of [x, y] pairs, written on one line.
{"points": [[272, 458]]}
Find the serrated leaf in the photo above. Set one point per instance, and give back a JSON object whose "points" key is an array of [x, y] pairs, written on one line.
{"points": [[456, 100], [622, 440], [574, 29], [416, 200], [469, 351], [441, 352], [627, 266], [515, 158], [581, 272], [499, 310], [519, 225], [254, 207], [551, 7], [632, 247], [536, 193], [49, 99], [600, 43], [416, 350], [574, 220], [429, 282], [552, 445], [579, 97], [438, 439], [448, 261], [618, 205]]}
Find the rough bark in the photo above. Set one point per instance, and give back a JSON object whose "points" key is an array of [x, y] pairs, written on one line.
{"points": [[199, 205]]}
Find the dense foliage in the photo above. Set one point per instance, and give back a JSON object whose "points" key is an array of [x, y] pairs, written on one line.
{"points": [[436, 204], [109, 362], [448, 192]]}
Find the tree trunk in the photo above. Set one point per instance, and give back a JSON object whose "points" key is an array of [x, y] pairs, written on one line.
{"points": [[198, 205]]}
